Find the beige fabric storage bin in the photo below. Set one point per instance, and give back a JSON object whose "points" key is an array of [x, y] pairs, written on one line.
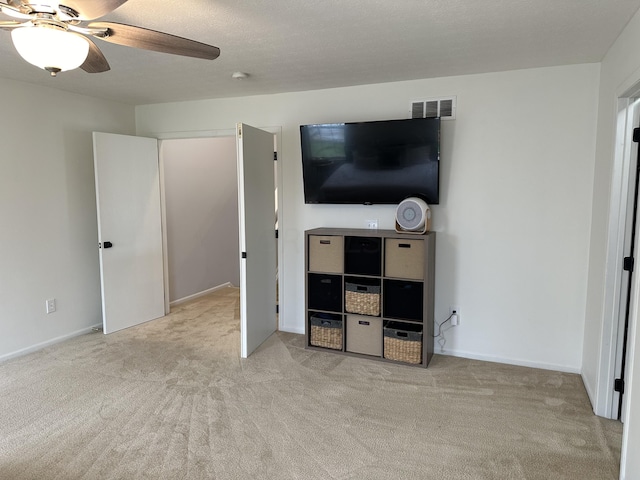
{"points": [[364, 335], [326, 253], [404, 258]]}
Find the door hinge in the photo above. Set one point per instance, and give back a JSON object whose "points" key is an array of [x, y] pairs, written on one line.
{"points": [[277, 308], [636, 135], [275, 156], [627, 264], [276, 233], [618, 385], [244, 254]]}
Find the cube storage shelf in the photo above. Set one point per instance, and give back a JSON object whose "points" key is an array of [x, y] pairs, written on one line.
{"points": [[370, 293]]}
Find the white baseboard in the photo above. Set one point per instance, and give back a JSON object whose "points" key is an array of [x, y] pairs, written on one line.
{"points": [[509, 361], [590, 391], [200, 294], [53, 341], [284, 328]]}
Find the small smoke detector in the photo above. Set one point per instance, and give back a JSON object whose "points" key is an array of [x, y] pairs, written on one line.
{"points": [[239, 75]]}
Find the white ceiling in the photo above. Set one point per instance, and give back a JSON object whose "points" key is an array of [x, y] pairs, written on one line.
{"points": [[295, 45]]}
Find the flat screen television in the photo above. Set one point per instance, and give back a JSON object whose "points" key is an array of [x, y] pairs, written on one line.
{"points": [[381, 162]]}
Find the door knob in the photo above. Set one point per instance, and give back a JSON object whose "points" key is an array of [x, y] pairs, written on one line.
{"points": [[107, 244]]}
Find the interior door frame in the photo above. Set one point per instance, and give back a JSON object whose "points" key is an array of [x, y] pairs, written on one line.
{"points": [[605, 403], [628, 278], [277, 132]]}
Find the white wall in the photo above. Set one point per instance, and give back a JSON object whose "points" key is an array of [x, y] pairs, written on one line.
{"points": [[201, 192], [48, 232], [517, 174], [619, 73]]}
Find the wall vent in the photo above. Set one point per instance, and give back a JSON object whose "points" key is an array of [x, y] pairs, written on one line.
{"points": [[445, 108]]}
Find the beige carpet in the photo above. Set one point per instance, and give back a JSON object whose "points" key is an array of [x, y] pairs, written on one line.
{"points": [[171, 399]]}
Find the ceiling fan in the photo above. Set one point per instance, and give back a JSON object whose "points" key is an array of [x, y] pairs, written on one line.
{"points": [[52, 34]]}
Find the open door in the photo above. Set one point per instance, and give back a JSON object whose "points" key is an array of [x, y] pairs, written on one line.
{"points": [[256, 205], [628, 266], [129, 229], [130, 232]]}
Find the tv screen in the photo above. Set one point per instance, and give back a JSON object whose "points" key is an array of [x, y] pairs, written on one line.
{"points": [[380, 162]]}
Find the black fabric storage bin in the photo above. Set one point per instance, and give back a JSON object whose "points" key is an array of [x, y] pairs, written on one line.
{"points": [[325, 292], [363, 255], [403, 299]]}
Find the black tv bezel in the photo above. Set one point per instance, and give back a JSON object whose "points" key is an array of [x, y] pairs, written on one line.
{"points": [[393, 201]]}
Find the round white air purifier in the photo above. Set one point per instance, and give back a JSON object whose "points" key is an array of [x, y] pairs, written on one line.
{"points": [[413, 215]]}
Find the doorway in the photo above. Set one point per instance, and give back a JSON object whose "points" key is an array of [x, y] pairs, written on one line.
{"points": [[141, 177], [200, 185], [607, 400], [213, 155], [629, 253]]}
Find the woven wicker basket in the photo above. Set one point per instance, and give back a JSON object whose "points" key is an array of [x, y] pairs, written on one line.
{"points": [[362, 299], [402, 345], [326, 333]]}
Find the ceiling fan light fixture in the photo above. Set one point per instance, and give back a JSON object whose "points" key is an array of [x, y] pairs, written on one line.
{"points": [[50, 48]]}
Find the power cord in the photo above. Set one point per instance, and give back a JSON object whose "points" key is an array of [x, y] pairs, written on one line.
{"points": [[441, 340], [440, 326]]}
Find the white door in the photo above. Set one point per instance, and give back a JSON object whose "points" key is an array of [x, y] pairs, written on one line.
{"points": [[129, 229], [256, 205]]}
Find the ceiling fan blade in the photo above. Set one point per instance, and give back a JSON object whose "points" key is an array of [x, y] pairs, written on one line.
{"points": [[90, 9], [139, 37], [95, 62], [14, 11], [10, 25]]}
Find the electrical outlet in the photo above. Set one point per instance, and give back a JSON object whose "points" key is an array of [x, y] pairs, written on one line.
{"points": [[51, 305], [455, 320], [372, 224]]}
